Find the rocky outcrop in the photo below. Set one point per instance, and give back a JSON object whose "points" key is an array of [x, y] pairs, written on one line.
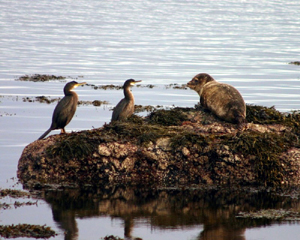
{"points": [[179, 146]]}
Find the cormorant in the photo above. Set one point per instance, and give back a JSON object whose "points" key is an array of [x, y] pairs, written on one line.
{"points": [[125, 107], [65, 109]]}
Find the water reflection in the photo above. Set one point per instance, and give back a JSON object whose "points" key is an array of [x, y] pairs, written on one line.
{"points": [[214, 210]]}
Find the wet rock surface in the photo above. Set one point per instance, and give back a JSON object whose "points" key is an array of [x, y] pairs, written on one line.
{"points": [[169, 147]]}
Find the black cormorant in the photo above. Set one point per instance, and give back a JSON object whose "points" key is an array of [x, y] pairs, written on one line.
{"points": [[65, 109], [125, 107]]}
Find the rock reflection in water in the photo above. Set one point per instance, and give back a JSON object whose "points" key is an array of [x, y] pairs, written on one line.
{"points": [[214, 209]]}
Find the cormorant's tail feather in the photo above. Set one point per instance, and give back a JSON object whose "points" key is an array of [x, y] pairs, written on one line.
{"points": [[45, 134]]}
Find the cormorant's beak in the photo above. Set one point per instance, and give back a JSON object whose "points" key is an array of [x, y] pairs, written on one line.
{"points": [[137, 81], [79, 84]]}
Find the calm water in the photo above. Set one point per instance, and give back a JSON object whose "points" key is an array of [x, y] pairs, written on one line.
{"points": [[244, 43]]}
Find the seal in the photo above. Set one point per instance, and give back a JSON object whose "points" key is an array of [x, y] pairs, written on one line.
{"points": [[222, 99]]}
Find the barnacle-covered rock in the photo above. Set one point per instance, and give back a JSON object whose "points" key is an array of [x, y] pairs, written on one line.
{"points": [[177, 146]]}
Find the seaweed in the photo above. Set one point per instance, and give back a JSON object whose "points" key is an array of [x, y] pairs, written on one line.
{"points": [[96, 103], [105, 87], [265, 148], [269, 115], [265, 115], [189, 139], [41, 99], [295, 63], [26, 230], [176, 86], [72, 146], [112, 237], [40, 78], [135, 130], [172, 117], [13, 193], [48, 100], [147, 108]]}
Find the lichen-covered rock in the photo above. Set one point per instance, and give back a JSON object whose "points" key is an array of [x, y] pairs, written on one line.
{"points": [[192, 148]]}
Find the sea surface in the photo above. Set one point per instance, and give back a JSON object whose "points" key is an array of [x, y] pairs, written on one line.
{"points": [[248, 44]]}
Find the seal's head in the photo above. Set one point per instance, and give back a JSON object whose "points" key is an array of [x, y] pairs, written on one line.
{"points": [[199, 81]]}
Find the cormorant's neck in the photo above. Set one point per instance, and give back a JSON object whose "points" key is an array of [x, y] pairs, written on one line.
{"points": [[128, 94], [70, 93]]}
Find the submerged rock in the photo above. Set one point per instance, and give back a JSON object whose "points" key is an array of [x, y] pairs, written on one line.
{"points": [[179, 146]]}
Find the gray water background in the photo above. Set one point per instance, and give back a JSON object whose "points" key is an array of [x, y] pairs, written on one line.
{"points": [[247, 44]]}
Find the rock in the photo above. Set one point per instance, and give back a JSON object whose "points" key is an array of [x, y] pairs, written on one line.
{"points": [[185, 152], [103, 150], [163, 143], [200, 150]]}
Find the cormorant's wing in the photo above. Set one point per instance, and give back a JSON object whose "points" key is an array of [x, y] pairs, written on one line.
{"points": [[119, 109], [64, 112]]}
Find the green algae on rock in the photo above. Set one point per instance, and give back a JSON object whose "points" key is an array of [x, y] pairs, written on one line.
{"points": [[177, 146]]}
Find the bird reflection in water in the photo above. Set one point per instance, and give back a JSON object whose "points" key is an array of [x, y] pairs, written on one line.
{"points": [[213, 211]]}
